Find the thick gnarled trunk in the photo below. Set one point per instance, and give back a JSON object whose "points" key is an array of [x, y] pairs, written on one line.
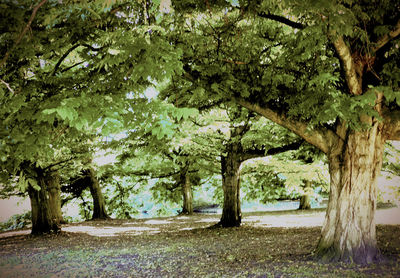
{"points": [[230, 167], [45, 204], [348, 233], [99, 207]]}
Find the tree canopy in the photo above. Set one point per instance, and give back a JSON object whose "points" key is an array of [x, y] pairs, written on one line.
{"points": [[328, 71]]}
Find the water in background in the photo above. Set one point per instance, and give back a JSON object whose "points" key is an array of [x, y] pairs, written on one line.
{"points": [[275, 206]]}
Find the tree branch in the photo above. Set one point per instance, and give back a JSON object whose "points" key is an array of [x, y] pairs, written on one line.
{"points": [[321, 138], [353, 78], [386, 38], [249, 154], [35, 9], [68, 52], [63, 58], [151, 176], [8, 86], [282, 20], [71, 67], [59, 163]]}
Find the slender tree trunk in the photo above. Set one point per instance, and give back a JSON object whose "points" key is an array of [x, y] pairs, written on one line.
{"points": [[349, 232], [305, 200], [187, 193], [230, 167], [99, 206], [45, 205]]}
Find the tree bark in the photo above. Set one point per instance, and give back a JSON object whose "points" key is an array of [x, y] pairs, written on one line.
{"points": [[45, 204], [187, 193], [99, 206], [230, 167], [305, 200], [348, 233], [355, 160], [54, 190]]}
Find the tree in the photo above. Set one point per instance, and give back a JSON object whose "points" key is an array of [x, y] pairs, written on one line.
{"points": [[328, 71], [305, 199], [281, 177], [45, 202], [354, 141], [158, 146], [87, 179], [68, 76]]}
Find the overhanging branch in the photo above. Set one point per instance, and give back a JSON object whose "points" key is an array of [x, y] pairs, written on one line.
{"points": [[63, 58], [282, 19], [155, 176], [65, 55], [321, 138], [249, 154], [22, 34], [386, 38]]}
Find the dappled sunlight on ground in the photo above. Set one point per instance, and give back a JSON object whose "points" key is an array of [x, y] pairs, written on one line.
{"points": [[135, 227], [208, 220], [105, 231], [15, 233], [158, 222], [286, 221]]}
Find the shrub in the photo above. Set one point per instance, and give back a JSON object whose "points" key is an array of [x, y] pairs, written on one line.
{"points": [[17, 221]]}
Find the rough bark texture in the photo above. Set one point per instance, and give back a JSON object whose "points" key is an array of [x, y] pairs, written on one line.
{"points": [[187, 193], [230, 167], [355, 157], [348, 233], [99, 206], [45, 212]]}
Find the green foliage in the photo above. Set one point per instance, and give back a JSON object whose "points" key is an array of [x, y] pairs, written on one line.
{"points": [[280, 55], [82, 71], [17, 221], [274, 178], [72, 79]]}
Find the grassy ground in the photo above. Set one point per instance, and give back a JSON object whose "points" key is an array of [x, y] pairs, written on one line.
{"points": [[184, 247]]}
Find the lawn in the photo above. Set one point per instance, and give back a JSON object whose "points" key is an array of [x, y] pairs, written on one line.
{"points": [[268, 244]]}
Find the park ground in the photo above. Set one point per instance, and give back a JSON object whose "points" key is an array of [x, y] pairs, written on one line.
{"points": [[268, 244]]}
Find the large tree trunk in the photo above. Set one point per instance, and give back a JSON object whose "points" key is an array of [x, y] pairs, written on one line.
{"points": [[99, 206], [45, 204], [54, 190], [230, 167], [348, 233], [187, 193]]}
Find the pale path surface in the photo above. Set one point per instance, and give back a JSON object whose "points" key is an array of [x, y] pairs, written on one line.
{"points": [[282, 219]]}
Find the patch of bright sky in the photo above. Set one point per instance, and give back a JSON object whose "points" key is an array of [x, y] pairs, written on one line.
{"points": [[103, 157], [234, 3], [165, 6], [151, 93]]}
